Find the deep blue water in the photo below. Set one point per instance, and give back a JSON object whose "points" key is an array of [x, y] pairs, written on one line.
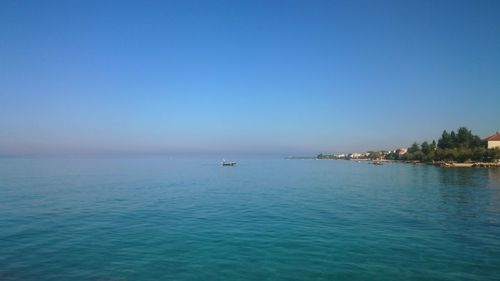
{"points": [[161, 219]]}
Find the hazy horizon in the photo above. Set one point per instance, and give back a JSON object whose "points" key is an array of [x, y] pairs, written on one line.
{"points": [[244, 77]]}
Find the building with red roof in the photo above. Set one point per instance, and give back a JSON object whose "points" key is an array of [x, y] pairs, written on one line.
{"points": [[493, 141]]}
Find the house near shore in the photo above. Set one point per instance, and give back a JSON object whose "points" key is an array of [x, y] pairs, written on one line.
{"points": [[493, 141], [401, 151]]}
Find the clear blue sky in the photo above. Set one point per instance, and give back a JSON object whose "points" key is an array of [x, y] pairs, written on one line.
{"points": [[289, 77]]}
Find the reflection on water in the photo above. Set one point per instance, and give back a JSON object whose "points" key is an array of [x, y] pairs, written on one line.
{"points": [[494, 184], [462, 176], [470, 194], [494, 177]]}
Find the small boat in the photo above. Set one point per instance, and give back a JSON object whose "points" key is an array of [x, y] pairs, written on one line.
{"points": [[377, 163], [225, 163]]}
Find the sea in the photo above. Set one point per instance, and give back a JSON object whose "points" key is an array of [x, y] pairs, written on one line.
{"points": [[159, 218]]}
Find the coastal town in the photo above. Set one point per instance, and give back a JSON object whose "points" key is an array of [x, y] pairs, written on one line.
{"points": [[369, 155], [461, 149]]}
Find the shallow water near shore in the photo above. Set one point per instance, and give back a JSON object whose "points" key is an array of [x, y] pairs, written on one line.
{"points": [[264, 219]]}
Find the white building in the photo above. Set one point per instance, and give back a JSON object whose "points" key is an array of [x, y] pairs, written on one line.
{"points": [[493, 141]]}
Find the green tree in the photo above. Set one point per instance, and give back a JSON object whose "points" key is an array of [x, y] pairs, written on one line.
{"points": [[375, 155], [426, 148], [414, 148], [433, 145], [429, 157], [464, 137], [453, 140], [463, 154], [444, 141], [418, 155], [450, 154], [477, 142], [478, 154]]}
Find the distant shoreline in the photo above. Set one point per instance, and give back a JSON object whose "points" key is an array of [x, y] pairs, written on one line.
{"points": [[443, 164], [460, 149]]}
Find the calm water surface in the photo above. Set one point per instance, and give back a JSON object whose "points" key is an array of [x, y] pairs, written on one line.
{"points": [[160, 219]]}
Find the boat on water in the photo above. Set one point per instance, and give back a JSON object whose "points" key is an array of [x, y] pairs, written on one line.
{"points": [[377, 163], [227, 163]]}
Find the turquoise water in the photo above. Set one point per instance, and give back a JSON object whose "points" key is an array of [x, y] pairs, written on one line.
{"points": [[161, 219]]}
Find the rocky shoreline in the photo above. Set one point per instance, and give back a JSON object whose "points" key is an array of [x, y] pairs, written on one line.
{"points": [[451, 164], [447, 164], [468, 165]]}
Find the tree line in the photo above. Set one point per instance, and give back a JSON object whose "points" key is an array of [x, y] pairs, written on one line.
{"points": [[461, 146]]}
